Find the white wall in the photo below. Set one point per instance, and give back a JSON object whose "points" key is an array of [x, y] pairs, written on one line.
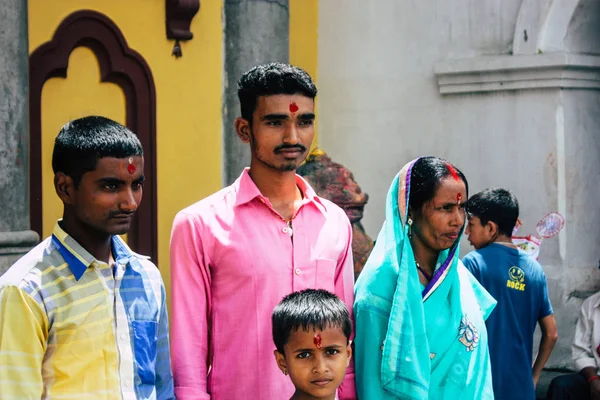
{"points": [[380, 107]]}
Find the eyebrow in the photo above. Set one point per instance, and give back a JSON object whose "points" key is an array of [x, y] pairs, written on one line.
{"points": [[333, 346], [114, 181], [304, 350], [447, 203], [117, 181], [274, 117], [277, 117]]}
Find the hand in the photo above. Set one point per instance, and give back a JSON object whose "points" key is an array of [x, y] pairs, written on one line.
{"points": [[595, 389], [535, 381]]}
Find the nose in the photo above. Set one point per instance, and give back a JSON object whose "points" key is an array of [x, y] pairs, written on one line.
{"points": [[128, 201], [291, 134], [467, 230], [458, 216], [320, 365]]}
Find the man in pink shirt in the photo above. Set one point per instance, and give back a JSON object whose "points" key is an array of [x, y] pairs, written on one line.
{"points": [[237, 253]]}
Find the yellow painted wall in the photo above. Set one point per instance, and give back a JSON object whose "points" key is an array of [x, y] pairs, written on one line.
{"points": [[304, 31], [65, 99], [188, 90]]}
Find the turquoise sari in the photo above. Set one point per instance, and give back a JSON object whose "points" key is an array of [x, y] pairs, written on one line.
{"points": [[413, 342]]}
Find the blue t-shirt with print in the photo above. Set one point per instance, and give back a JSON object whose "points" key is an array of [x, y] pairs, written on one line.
{"points": [[517, 281]]}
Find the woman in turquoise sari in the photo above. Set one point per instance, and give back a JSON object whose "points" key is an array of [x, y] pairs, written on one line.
{"points": [[420, 330]]}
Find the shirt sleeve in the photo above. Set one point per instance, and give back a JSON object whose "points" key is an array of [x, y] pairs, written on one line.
{"points": [[344, 289], [471, 265], [546, 308], [164, 376], [23, 343], [190, 301], [582, 349]]}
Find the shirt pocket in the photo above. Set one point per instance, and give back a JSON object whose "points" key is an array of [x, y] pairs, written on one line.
{"points": [[325, 275], [144, 342]]}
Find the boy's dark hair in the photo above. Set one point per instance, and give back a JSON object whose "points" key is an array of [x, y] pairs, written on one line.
{"points": [[309, 309], [497, 205], [82, 142], [425, 178], [271, 79]]}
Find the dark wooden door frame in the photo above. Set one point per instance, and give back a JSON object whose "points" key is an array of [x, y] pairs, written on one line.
{"points": [[120, 65]]}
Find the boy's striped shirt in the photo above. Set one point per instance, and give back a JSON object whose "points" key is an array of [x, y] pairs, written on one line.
{"points": [[72, 327]]}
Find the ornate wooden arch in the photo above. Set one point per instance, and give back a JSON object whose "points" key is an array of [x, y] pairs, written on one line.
{"points": [[120, 65]]}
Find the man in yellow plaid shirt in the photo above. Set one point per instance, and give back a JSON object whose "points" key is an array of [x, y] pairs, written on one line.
{"points": [[81, 315]]}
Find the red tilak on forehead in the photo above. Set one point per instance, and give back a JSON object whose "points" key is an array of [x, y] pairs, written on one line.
{"points": [[131, 167], [452, 171], [293, 107], [318, 341]]}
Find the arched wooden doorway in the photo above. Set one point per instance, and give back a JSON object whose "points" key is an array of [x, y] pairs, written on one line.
{"points": [[120, 65]]}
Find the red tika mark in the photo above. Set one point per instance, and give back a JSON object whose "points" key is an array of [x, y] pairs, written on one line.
{"points": [[452, 171], [293, 107], [131, 169], [318, 341]]}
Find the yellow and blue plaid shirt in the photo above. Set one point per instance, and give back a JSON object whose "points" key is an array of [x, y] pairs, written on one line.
{"points": [[73, 327]]}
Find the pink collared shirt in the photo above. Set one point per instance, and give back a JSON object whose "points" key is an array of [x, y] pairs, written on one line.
{"points": [[232, 261]]}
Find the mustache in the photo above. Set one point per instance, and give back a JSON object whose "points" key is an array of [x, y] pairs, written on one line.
{"points": [[121, 214], [298, 147]]}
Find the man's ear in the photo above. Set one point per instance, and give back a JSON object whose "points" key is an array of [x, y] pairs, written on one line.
{"points": [[349, 352], [280, 359], [492, 228], [243, 129], [65, 187]]}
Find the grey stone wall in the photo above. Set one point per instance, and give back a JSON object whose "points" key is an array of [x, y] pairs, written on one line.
{"points": [[15, 237], [256, 32], [380, 106]]}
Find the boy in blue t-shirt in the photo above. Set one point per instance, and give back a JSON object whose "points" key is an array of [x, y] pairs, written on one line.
{"points": [[518, 283]]}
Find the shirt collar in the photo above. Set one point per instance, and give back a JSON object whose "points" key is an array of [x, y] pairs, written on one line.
{"points": [[597, 304], [247, 191], [79, 259]]}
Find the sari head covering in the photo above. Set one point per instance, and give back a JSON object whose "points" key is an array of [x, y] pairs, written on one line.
{"points": [[415, 343]]}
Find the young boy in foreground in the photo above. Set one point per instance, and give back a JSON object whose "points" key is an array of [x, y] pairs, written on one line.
{"points": [[311, 331]]}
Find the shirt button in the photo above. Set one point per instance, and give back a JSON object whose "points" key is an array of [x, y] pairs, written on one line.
{"points": [[127, 383], [285, 229], [297, 271], [123, 336]]}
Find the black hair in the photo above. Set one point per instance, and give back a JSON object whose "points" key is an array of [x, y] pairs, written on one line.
{"points": [[426, 175], [82, 142], [271, 79], [309, 309], [497, 205]]}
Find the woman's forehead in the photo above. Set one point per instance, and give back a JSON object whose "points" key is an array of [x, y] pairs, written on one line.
{"points": [[448, 190]]}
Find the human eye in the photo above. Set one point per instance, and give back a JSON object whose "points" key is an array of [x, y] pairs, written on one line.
{"points": [[137, 185], [306, 122], [303, 355], [274, 123], [110, 187], [332, 352]]}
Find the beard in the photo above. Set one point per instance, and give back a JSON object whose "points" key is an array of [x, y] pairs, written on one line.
{"points": [[286, 166]]}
